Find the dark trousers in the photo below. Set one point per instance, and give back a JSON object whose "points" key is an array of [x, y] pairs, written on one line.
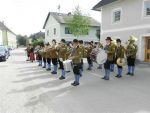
{"points": [[61, 64], [44, 60], [54, 61], [107, 64], [89, 60], [76, 68], [48, 60], [131, 61]]}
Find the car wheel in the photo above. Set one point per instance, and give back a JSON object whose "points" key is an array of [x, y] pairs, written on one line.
{"points": [[5, 58]]}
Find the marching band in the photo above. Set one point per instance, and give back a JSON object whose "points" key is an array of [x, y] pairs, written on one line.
{"points": [[108, 55]]}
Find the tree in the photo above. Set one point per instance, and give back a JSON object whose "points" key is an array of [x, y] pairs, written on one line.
{"points": [[37, 38], [78, 23], [21, 40]]}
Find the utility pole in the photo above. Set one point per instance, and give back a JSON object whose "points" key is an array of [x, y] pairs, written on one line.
{"points": [[59, 8]]}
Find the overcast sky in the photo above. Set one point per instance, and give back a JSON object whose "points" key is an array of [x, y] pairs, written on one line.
{"points": [[28, 16]]}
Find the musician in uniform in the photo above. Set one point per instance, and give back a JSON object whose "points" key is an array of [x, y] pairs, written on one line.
{"points": [[120, 52], [28, 52], [89, 49], [76, 57], [54, 56], [84, 52], [32, 57], [109, 49], [112, 66], [62, 57], [131, 52], [43, 53], [40, 54], [48, 58]]}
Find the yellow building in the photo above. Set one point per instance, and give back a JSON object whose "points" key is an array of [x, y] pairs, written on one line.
{"points": [[7, 37]]}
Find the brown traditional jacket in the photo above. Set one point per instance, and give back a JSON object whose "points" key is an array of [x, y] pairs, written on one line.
{"points": [[62, 51], [53, 52], [76, 55], [89, 50]]}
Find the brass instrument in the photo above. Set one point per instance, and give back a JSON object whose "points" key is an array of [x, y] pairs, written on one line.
{"points": [[120, 62], [129, 50]]}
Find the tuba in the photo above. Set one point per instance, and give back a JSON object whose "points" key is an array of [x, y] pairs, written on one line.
{"points": [[129, 50]]}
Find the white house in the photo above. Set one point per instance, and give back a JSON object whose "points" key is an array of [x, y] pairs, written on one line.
{"points": [[7, 37], [1, 38], [56, 28], [122, 18]]}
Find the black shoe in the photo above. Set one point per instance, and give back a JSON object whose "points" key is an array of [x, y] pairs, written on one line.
{"points": [[74, 84], [89, 69], [61, 78], [48, 69], [132, 74], [117, 76], [103, 78], [44, 67], [53, 72], [106, 79], [128, 73]]}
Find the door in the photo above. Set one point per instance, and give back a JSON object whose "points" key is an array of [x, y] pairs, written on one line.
{"points": [[147, 49]]}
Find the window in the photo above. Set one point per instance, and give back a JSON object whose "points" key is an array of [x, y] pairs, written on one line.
{"points": [[117, 15], [54, 31], [147, 7], [47, 32], [67, 30]]}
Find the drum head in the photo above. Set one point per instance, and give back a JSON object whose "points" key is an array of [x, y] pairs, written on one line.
{"points": [[101, 57]]}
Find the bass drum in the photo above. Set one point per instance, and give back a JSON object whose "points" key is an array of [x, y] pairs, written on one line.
{"points": [[101, 57], [94, 53], [67, 65]]}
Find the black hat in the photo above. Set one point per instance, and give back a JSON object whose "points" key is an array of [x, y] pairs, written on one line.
{"points": [[54, 40], [118, 40], [81, 41], [75, 41], [63, 40], [108, 38]]}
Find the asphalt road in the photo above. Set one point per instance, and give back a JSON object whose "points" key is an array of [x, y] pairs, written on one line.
{"points": [[27, 88]]}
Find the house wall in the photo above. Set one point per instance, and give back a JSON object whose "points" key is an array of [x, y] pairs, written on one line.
{"points": [[60, 32], [51, 24], [12, 41], [5, 40], [1, 38], [132, 23], [132, 14], [69, 37]]}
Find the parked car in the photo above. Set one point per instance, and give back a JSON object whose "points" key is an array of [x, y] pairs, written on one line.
{"points": [[7, 51], [3, 54]]}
